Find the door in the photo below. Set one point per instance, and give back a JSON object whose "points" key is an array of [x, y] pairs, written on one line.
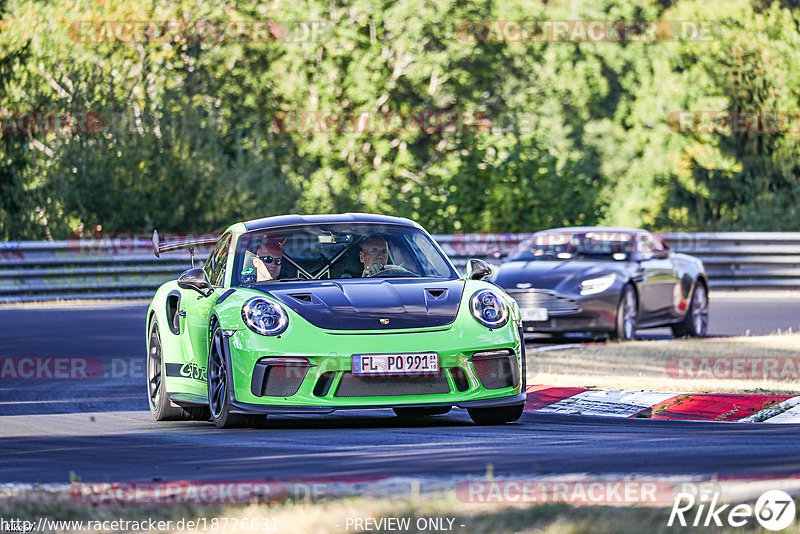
{"points": [[657, 280], [198, 312]]}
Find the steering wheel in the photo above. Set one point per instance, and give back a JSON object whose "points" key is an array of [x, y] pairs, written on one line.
{"points": [[392, 270]]}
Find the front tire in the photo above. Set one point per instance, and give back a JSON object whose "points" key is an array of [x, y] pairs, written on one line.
{"points": [[496, 416], [695, 322], [218, 388], [157, 397], [627, 315]]}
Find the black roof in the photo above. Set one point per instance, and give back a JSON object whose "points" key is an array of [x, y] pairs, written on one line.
{"points": [[293, 220]]}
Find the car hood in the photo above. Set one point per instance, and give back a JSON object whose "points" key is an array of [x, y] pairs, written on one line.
{"points": [[370, 304], [563, 276]]}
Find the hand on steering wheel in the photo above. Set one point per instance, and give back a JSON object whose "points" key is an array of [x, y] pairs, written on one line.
{"points": [[373, 269], [379, 268]]}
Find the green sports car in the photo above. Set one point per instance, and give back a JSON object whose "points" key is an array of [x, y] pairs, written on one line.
{"points": [[312, 314]]}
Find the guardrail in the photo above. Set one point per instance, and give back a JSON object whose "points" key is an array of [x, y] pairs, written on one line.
{"points": [[127, 268], [103, 269], [733, 260]]}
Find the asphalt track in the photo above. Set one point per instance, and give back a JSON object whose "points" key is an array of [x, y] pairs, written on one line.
{"points": [[100, 429]]}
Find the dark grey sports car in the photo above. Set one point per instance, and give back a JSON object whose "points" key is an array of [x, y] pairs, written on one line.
{"points": [[605, 280]]}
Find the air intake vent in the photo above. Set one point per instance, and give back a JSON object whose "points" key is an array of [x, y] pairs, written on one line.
{"points": [[324, 384], [496, 370], [302, 297], [278, 377], [436, 293], [459, 379]]}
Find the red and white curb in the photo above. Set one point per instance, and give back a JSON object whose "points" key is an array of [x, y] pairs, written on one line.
{"points": [[719, 407]]}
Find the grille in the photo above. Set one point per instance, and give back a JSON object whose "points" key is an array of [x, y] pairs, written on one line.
{"points": [[389, 386], [537, 298]]}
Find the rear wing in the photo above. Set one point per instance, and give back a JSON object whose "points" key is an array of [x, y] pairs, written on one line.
{"points": [[160, 246]]}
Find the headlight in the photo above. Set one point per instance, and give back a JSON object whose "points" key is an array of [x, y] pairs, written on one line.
{"points": [[264, 316], [597, 285], [489, 309]]}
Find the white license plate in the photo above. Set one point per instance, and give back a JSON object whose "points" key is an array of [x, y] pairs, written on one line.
{"points": [[534, 314], [417, 363]]}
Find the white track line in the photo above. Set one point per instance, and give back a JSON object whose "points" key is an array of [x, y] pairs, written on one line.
{"points": [[557, 347]]}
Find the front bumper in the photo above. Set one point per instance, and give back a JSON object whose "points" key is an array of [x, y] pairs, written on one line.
{"points": [[571, 323], [324, 383], [268, 409], [569, 313]]}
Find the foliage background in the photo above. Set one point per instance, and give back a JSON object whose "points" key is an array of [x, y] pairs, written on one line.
{"points": [[579, 131]]}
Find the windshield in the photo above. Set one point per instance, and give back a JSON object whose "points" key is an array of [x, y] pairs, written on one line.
{"points": [[337, 251], [605, 245]]}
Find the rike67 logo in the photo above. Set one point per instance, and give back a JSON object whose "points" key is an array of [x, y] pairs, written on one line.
{"points": [[774, 510]]}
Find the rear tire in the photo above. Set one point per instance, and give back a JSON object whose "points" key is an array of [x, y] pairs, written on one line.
{"points": [[410, 414], [627, 315], [695, 322], [496, 416], [218, 389], [158, 399]]}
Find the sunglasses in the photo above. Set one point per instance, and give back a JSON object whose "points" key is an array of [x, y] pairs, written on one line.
{"points": [[270, 259]]}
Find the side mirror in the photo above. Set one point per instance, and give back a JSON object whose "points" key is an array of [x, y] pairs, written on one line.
{"points": [[195, 279], [478, 269]]}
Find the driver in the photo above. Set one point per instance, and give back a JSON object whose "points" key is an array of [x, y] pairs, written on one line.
{"points": [[374, 255]]}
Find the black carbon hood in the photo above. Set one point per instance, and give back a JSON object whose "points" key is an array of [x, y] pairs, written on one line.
{"points": [[370, 304]]}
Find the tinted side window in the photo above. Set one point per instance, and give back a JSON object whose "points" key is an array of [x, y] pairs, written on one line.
{"points": [[208, 266], [215, 266]]}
